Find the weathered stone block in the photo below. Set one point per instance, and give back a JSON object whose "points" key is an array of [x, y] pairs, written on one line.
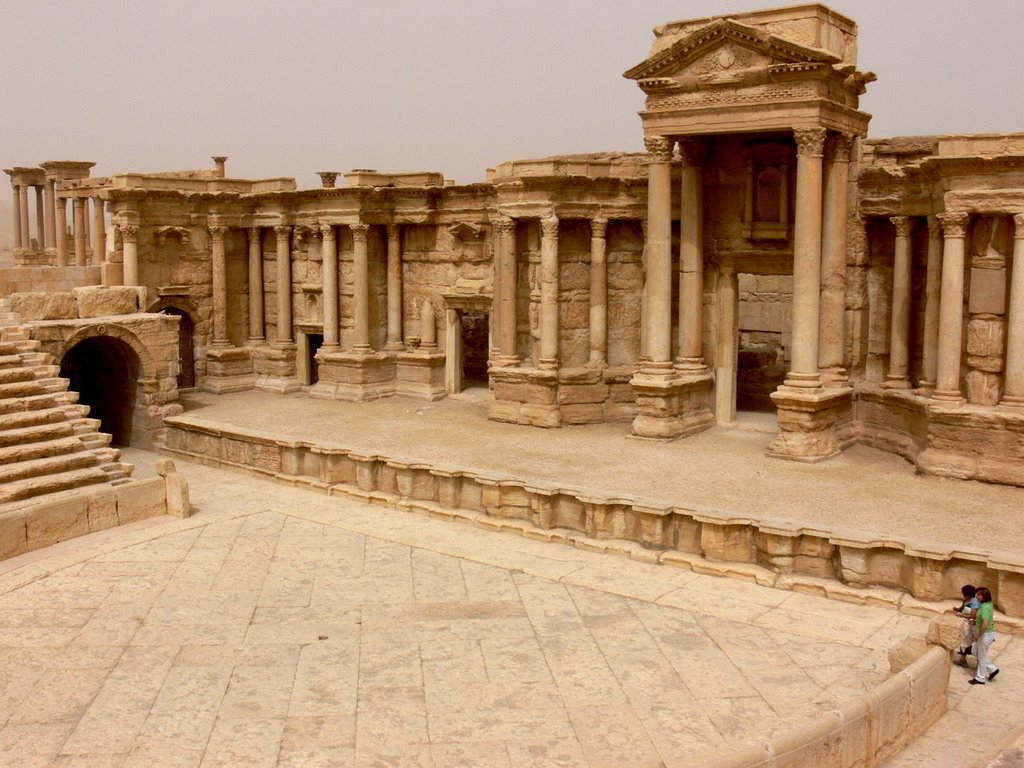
{"points": [[988, 291], [175, 487], [141, 499], [102, 508], [104, 301], [724, 541], [13, 534], [54, 521], [44, 306]]}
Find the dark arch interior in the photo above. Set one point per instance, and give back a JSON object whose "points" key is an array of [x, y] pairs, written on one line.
{"points": [[186, 356], [105, 373]]}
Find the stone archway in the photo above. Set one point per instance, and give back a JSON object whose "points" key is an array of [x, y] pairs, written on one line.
{"points": [[105, 372], [186, 311]]}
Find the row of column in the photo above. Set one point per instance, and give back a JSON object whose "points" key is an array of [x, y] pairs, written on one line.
{"points": [[943, 317], [51, 218]]}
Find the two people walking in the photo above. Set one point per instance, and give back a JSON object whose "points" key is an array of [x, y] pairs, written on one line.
{"points": [[978, 631]]}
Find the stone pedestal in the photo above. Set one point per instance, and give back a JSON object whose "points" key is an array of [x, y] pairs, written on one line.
{"points": [[228, 369], [525, 396], [814, 425], [671, 407], [275, 369], [354, 377], [420, 374]]}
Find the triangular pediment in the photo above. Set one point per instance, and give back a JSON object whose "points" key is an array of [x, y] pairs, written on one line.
{"points": [[722, 47]]}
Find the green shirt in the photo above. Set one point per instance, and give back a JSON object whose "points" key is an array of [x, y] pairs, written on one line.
{"points": [[985, 611]]}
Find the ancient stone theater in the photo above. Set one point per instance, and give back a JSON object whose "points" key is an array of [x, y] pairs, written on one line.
{"points": [[763, 254]]}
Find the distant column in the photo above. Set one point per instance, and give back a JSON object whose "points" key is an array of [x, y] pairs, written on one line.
{"points": [[62, 231], [506, 229], [329, 250], [658, 282], [951, 307], [40, 218], [284, 284], [99, 231], [78, 205], [1013, 395], [394, 342], [26, 233], [727, 348], [256, 332], [831, 336], [49, 213], [19, 239], [691, 256], [598, 293], [548, 293], [220, 286], [129, 239], [933, 282], [807, 259], [361, 270], [899, 333]]}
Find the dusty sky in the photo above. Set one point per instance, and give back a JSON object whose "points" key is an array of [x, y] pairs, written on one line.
{"points": [[287, 89]]}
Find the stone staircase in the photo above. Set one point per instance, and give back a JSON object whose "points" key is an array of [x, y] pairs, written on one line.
{"points": [[48, 443]]}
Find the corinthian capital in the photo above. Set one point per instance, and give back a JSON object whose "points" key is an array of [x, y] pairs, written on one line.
{"points": [[902, 225], [503, 225], [840, 146], [549, 227], [810, 142], [326, 231], [129, 232], [693, 152], [217, 232], [283, 232], [953, 224], [598, 227], [660, 148], [359, 232]]}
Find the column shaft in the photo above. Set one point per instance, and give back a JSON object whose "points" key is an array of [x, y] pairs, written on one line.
{"points": [[549, 293], [50, 212], [1014, 391], [951, 307], [807, 259], [831, 330], [99, 231], [728, 346], [691, 257], [658, 281], [506, 230], [78, 205], [394, 342], [40, 219], [598, 292], [933, 282], [62, 231], [362, 287], [220, 285], [129, 240], [256, 332], [899, 333], [26, 234], [19, 238], [284, 284], [330, 286]]}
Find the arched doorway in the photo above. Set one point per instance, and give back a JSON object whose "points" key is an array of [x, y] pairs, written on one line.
{"points": [[105, 373], [186, 355]]}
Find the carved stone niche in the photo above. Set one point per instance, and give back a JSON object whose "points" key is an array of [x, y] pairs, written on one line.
{"points": [[468, 242], [766, 204]]}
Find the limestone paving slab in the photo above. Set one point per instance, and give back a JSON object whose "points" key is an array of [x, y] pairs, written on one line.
{"points": [[415, 642]]}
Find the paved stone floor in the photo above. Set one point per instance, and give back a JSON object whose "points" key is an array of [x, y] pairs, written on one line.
{"points": [[279, 626]]}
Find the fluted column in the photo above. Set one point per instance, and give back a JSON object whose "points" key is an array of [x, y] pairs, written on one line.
{"points": [[1013, 394], [256, 331], [78, 205], [26, 233], [933, 282], [62, 231], [284, 284], [807, 259], [951, 307], [49, 213], [691, 257], [99, 231], [329, 250], [362, 287], [658, 282], [728, 346], [506, 304], [220, 285], [394, 342], [549, 293], [129, 241], [899, 333], [831, 336], [40, 218], [19, 237], [598, 293]]}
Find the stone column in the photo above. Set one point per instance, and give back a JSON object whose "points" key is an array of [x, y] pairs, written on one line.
{"points": [[691, 257], [49, 213], [933, 282], [330, 286], [643, 295], [727, 350], [220, 285], [658, 282], [1013, 396], [951, 308], [807, 259], [129, 240], [19, 237], [26, 233], [99, 231], [78, 205], [548, 293], [831, 337], [362, 287], [40, 218], [394, 342], [506, 305], [256, 332], [62, 231], [899, 333], [284, 284], [598, 293]]}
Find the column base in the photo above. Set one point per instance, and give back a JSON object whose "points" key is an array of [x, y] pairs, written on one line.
{"points": [[672, 407], [275, 369], [950, 398], [1011, 403], [420, 375], [355, 377], [394, 346], [813, 425], [691, 365], [925, 388], [228, 369], [802, 381], [897, 382], [835, 377], [527, 396]]}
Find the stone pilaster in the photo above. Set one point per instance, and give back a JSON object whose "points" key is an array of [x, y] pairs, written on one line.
{"points": [[548, 293], [726, 355], [130, 244], [505, 228], [932, 291], [658, 278], [361, 288], [691, 259], [284, 284], [50, 212], [598, 293], [19, 237], [1013, 395], [951, 309], [329, 251], [256, 329], [831, 337], [219, 284], [26, 233], [40, 220], [81, 259], [99, 231], [899, 333], [394, 341], [62, 231]]}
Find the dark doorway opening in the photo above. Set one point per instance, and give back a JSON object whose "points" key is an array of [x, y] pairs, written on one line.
{"points": [[761, 369], [475, 346], [313, 343], [186, 355], [105, 373]]}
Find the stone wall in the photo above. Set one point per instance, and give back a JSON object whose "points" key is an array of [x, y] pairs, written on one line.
{"points": [[46, 279]]}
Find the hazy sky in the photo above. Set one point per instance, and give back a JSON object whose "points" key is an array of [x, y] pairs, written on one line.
{"points": [[290, 88]]}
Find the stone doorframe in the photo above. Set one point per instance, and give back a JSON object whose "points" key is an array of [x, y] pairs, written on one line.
{"points": [[454, 305]]}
